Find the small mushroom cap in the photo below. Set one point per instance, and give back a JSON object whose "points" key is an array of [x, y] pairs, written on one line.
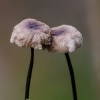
{"points": [[31, 33], [65, 38]]}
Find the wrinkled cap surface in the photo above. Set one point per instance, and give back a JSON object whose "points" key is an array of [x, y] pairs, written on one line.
{"points": [[65, 38], [31, 33]]}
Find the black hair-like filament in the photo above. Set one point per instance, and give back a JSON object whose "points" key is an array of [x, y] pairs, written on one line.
{"points": [[29, 75], [71, 76]]}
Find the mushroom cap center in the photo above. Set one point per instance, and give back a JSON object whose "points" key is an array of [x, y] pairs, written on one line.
{"points": [[57, 32], [33, 25]]}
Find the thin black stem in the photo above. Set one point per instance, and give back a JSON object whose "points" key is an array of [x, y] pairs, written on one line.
{"points": [[28, 80], [71, 76]]}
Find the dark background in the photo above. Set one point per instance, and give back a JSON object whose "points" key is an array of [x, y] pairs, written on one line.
{"points": [[50, 79]]}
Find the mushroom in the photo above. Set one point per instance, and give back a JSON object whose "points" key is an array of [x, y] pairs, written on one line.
{"points": [[31, 33], [37, 35], [66, 38]]}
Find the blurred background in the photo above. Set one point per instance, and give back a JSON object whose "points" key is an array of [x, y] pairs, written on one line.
{"points": [[50, 78]]}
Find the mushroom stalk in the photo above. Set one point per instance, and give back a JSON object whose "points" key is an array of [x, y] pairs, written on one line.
{"points": [[29, 75], [71, 76]]}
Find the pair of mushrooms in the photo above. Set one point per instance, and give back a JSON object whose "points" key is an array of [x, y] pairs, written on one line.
{"points": [[38, 35]]}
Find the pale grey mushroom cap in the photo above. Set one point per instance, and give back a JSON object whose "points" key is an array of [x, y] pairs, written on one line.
{"points": [[65, 38], [31, 33]]}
